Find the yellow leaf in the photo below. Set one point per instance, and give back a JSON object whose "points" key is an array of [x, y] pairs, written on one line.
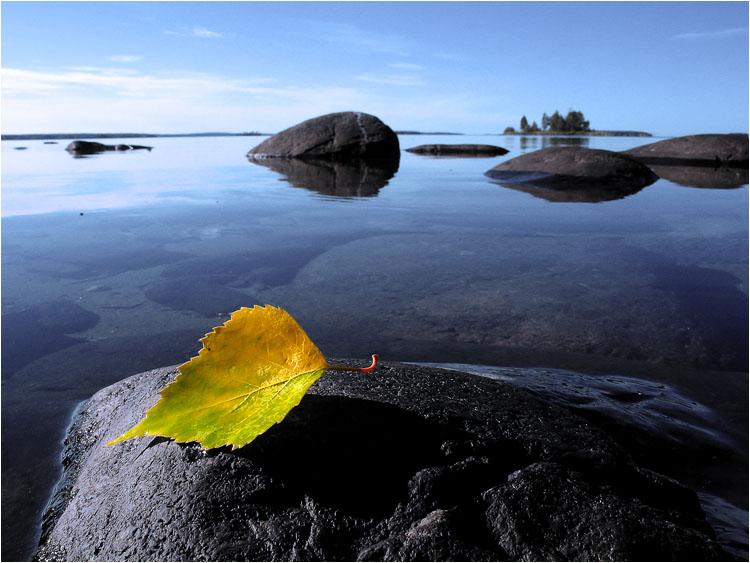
{"points": [[249, 374]]}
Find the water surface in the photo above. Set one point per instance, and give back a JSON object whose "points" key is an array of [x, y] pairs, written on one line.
{"points": [[119, 263]]}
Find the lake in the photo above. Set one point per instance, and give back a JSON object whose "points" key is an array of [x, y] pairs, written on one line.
{"points": [[119, 263]]}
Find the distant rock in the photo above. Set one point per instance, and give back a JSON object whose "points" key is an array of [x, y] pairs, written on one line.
{"points": [[335, 136], [573, 168], [458, 150], [355, 177], [78, 148], [50, 142], [698, 150], [20, 148], [408, 463]]}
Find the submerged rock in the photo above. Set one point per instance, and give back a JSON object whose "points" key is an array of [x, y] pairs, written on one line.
{"points": [[336, 135], [407, 463], [458, 150], [573, 168], [696, 150], [78, 148], [356, 177]]}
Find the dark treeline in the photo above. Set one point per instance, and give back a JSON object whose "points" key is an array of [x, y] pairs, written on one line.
{"points": [[574, 122]]}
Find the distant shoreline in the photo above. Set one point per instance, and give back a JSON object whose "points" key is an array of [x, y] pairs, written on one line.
{"points": [[425, 133], [584, 134], [64, 136], [57, 136]]}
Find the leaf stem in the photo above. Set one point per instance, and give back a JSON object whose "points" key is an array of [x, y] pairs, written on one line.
{"points": [[361, 370]]}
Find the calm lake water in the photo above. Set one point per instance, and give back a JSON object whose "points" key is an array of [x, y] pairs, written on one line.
{"points": [[119, 263]]}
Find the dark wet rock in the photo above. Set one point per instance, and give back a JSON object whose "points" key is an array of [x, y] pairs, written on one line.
{"points": [[696, 150], [407, 463], [78, 148], [356, 177], [722, 177], [459, 150], [573, 168], [341, 135]]}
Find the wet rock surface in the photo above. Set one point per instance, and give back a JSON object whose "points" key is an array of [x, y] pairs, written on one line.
{"points": [[458, 150], [340, 135], [698, 150], [406, 463], [564, 168]]}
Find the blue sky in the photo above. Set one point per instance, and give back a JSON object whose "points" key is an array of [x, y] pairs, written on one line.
{"points": [[670, 68]]}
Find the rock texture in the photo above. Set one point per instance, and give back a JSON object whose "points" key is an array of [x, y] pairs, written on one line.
{"points": [[458, 150], [91, 147], [336, 135], [696, 150], [406, 463], [573, 168], [356, 177]]}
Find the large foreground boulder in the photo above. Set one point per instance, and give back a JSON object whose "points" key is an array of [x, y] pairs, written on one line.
{"points": [[336, 135], [465, 150], [695, 150], [573, 168], [405, 463]]}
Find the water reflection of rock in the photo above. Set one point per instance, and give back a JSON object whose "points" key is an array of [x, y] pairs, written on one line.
{"points": [[703, 176], [573, 174], [534, 142], [587, 194], [347, 179]]}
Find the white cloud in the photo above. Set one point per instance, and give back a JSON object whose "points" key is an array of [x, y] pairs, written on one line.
{"points": [[406, 66], [717, 34], [124, 58], [356, 37], [392, 79], [194, 32], [118, 100]]}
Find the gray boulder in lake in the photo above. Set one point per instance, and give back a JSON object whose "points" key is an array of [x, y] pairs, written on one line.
{"points": [[696, 150], [564, 168], [78, 148], [405, 463], [336, 135], [458, 150]]}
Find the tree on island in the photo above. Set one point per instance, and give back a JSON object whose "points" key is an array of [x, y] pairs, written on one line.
{"points": [[524, 125], [556, 122], [574, 122]]}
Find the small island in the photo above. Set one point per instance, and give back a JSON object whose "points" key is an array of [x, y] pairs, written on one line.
{"points": [[572, 124]]}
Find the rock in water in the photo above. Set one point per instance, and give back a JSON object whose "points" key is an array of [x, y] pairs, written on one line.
{"points": [[564, 168], [78, 148], [696, 150], [406, 463], [459, 150], [336, 135]]}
